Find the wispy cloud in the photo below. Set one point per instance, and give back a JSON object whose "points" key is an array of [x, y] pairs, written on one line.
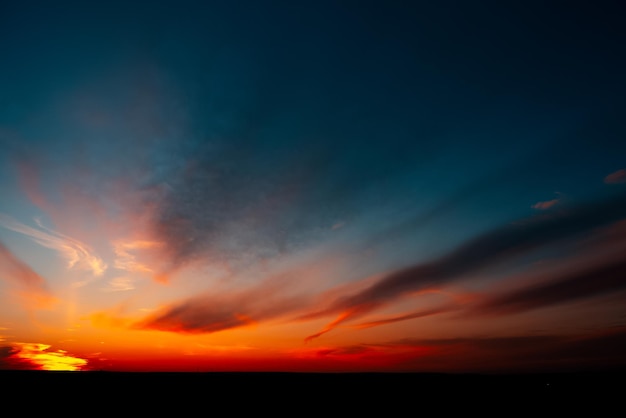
{"points": [[126, 253], [618, 176], [545, 204], [119, 284], [33, 288], [77, 254], [404, 317]]}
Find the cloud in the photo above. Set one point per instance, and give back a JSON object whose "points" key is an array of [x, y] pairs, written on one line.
{"points": [[237, 204], [37, 356], [587, 350], [616, 177], [119, 284], [412, 315], [77, 254], [486, 250], [368, 357], [598, 349], [599, 279], [33, 288], [343, 316], [275, 293], [246, 198], [129, 257], [546, 204], [218, 312]]}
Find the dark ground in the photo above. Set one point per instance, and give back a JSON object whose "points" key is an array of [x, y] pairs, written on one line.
{"points": [[305, 393]]}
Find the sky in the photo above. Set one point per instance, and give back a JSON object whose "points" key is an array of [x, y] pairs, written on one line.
{"points": [[312, 186]]}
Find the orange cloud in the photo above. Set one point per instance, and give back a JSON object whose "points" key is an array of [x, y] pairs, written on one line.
{"points": [[119, 284], [212, 313], [126, 255], [275, 297], [33, 287], [208, 313], [405, 317], [37, 356], [109, 320]]}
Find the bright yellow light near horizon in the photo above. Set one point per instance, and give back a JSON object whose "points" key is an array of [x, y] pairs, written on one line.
{"points": [[49, 360]]}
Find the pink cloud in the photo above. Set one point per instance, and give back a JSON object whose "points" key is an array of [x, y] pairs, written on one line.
{"points": [[546, 204], [616, 177], [33, 288]]}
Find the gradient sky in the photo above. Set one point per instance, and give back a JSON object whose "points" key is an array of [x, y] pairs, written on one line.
{"points": [[312, 185]]}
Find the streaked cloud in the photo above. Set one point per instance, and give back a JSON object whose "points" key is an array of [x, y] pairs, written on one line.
{"points": [[591, 281], [407, 316], [545, 204], [77, 254]]}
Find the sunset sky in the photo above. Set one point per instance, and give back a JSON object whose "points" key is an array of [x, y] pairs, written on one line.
{"points": [[312, 185]]}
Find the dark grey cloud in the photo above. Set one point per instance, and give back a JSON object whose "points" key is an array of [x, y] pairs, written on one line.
{"points": [[212, 313], [589, 282], [494, 247], [498, 245], [586, 350]]}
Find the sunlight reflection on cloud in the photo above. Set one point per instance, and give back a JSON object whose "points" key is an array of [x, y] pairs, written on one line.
{"points": [[38, 355]]}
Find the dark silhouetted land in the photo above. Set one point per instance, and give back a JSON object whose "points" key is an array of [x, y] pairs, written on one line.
{"points": [[355, 392]]}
